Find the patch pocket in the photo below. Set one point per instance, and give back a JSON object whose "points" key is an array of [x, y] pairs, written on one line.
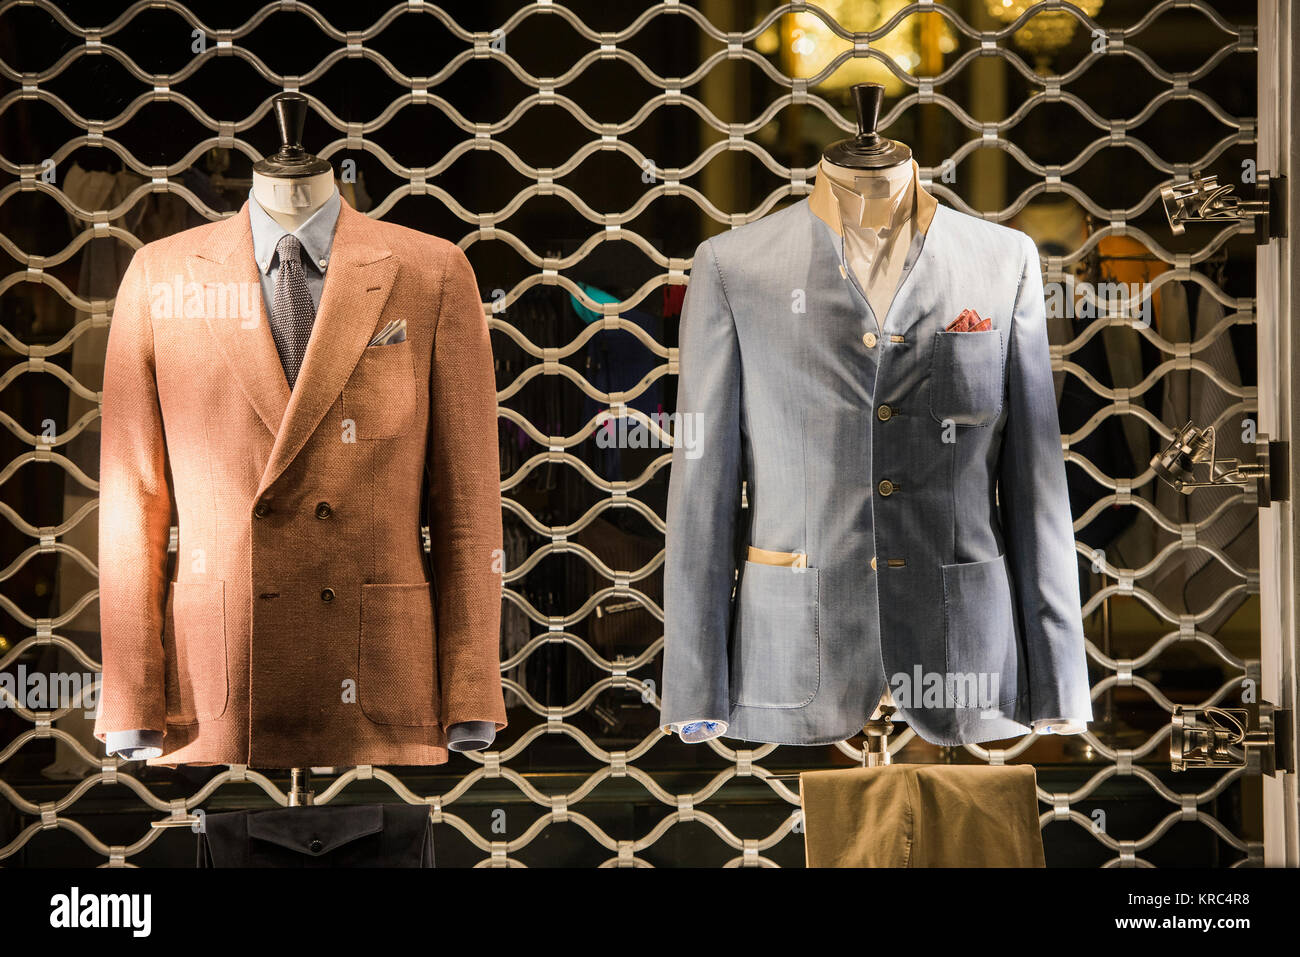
{"points": [[966, 377], [379, 397], [776, 646], [982, 653], [397, 673], [194, 652]]}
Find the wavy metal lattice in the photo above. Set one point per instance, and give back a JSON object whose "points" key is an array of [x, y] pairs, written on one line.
{"points": [[559, 359]]}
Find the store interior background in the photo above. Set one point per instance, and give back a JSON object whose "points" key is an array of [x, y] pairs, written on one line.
{"points": [[540, 176]]}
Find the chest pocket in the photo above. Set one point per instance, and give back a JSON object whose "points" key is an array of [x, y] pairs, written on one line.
{"points": [[966, 377], [379, 398]]}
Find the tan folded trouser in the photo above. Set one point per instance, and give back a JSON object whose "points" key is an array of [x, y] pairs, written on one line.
{"points": [[922, 815]]}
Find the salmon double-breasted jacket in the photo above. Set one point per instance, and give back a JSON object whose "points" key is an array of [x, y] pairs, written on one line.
{"points": [[300, 622]]}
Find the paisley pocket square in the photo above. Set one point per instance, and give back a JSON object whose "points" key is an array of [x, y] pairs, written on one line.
{"points": [[969, 321]]}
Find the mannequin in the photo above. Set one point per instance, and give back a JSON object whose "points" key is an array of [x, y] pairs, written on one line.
{"points": [[878, 191], [292, 184], [293, 191], [869, 196], [872, 181]]}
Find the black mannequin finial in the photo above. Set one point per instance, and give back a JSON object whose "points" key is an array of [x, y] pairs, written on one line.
{"points": [[291, 161], [290, 115], [867, 150], [867, 98]]}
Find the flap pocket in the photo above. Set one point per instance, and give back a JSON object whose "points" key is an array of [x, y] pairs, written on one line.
{"points": [[776, 646], [966, 377], [379, 397], [397, 680], [315, 830], [194, 652]]}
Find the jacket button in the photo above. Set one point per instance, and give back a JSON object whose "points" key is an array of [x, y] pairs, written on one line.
{"points": [[327, 594], [261, 509], [315, 846], [873, 563], [884, 413], [886, 487], [323, 510], [869, 340]]}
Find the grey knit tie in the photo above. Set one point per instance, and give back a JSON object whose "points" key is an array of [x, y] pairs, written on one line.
{"points": [[292, 311]]}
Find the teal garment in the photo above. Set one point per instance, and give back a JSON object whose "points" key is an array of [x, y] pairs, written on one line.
{"points": [[599, 295]]}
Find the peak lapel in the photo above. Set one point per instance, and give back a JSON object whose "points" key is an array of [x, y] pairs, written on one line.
{"points": [[358, 281], [246, 344]]}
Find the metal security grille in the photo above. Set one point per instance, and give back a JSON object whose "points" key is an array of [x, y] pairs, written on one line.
{"points": [[573, 737]]}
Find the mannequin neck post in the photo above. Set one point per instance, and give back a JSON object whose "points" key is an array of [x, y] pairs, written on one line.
{"points": [[292, 201]]}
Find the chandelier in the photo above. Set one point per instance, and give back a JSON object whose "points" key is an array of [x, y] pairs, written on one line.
{"points": [[1046, 33]]}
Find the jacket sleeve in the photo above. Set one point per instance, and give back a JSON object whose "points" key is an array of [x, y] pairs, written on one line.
{"points": [[135, 507], [703, 504], [465, 505], [1035, 507]]}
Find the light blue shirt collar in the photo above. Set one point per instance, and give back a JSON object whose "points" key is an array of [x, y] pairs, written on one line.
{"points": [[316, 234]]}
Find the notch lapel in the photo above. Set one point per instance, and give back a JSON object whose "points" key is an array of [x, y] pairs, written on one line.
{"points": [[358, 281], [248, 350]]}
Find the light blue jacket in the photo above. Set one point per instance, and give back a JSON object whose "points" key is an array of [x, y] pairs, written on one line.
{"points": [[905, 485]]}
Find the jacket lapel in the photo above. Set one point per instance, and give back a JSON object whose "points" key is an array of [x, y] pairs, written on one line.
{"points": [[914, 296], [919, 293], [358, 281], [245, 344]]}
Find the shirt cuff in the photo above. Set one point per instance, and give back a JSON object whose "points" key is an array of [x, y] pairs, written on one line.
{"points": [[693, 732], [134, 745], [471, 735], [1060, 726]]}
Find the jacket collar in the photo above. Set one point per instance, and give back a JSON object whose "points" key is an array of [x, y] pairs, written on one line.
{"points": [[825, 207], [316, 234], [360, 276], [230, 240]]}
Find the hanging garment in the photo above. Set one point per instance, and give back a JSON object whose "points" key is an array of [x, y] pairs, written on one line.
{"points": [[908, 520], [922, 815], [618, 363], [301, 623], [1193, 580]]}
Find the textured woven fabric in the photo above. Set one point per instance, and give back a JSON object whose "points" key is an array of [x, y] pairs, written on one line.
{"points": [[299, 622], [292, 313], [918, 471]]}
